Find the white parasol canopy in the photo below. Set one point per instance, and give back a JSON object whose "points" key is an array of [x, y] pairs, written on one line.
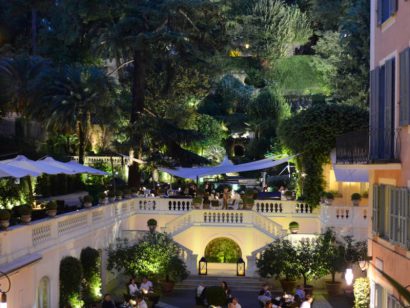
{"points": [[15, 172], [78, 168], [225, 167]]}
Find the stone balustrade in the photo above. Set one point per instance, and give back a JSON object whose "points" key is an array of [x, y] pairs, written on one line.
{"points": [[283, 208]]}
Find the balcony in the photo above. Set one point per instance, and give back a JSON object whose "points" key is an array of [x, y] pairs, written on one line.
{"points": [[353, 148], [384, 146]]}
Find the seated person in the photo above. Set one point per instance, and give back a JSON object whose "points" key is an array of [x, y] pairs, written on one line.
{"points": [[300, 292], [200, 294], [132, 287], [234, 303], [263, 298], [146, 285], [141, 302]]}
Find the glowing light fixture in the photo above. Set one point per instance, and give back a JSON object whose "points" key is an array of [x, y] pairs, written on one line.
{"points": [[349, 276], [240, 267], [203, 267]]}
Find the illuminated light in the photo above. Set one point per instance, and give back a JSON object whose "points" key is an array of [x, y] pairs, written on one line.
{"points": [[240, 267], [247, 46], [203, 267], [3, 301], [349, 276]]}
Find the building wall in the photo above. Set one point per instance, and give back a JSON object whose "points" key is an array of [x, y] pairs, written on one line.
{"points": [[387, 41]]}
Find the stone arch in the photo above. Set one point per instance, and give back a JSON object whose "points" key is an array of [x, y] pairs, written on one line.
{"points": [[43, 293], [222, 250]]}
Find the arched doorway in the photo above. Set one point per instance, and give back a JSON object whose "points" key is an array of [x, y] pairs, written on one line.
{"points": [[222, 250], [43, 293]]}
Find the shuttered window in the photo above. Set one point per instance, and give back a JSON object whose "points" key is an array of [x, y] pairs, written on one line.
{"points": [[385, 9], [375, 218], [389, 109], [405, 87], [393, 302], [374, 112]]}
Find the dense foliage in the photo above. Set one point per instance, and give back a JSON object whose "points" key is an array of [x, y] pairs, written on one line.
{"points": [[312, 134], [91, 285], [71, 275], [222, 250], [361, 291], [156, 256]]}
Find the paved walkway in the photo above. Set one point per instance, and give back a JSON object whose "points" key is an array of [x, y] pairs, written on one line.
{"points": [[185, 299]]}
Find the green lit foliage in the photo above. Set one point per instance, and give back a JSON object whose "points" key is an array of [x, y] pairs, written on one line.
{"points": [[303, 75], [215, 296], [12, 194], [361, 291], [153, 256], [312, 133], [71, 275], [211, 130], [270, 27], [91, 264], [222, 250]]}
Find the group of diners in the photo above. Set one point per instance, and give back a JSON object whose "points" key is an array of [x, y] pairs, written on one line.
{"points": [[299, 300], [231, 300]]}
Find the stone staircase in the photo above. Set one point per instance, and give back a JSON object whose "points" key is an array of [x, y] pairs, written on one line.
{"points": [[243, 284]]}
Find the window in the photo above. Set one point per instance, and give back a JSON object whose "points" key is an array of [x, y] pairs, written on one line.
{"points": [[405, 87], [43, 293], [386, 9], [393, 302], [391, 215], [382, 101]]}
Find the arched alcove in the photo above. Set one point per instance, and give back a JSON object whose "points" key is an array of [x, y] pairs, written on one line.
{"points": [[43, 293], [222, 250]]}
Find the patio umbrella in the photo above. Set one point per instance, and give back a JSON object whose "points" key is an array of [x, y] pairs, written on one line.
{"points": [[15, 172], [37, 166], [84, 169], [49, 161]]}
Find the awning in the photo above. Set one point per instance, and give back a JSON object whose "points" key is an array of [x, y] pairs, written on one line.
{"points": [[225, 167], [351, 175]]}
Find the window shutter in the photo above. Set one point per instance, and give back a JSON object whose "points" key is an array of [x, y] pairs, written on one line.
{"points": [[379, 10], [375, 219], [405, 87], [394, 216], [389, 110], [392, 7], [374, 111]]}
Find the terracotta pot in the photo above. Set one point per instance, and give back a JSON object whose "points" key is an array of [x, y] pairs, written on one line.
{"points": [[51, 213], [167, 286], [294, 230], [333, 288], [196, 205], [328, 201], [25, 219], [288, 285], [88, 205], [356, 202], [248, 206], [152, 228], [4, 224]]}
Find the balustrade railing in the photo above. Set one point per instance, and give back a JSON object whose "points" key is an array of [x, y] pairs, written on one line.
{"points": [[282, 207]]}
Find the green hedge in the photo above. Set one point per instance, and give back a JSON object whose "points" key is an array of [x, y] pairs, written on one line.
{"points": [[71, 275], [91, 264]]}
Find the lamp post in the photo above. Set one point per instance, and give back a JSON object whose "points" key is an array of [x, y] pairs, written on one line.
{"points": [[240, 267], [3, 299]]}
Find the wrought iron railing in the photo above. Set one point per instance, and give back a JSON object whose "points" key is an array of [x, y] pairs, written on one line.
{"points": [[353, 148], [384, 145]]}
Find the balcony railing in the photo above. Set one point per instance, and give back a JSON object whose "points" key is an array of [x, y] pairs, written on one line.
{"points": [[384, 145], [353, 148]]}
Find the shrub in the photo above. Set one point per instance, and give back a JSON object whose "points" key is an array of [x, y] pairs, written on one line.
{"points": [[71, 275], [152, 222], [248, 200], [288, 193], [51, 205], [356, 196], [249, 193], [4, 214], [361, 290], [197, 200], [111, 194], [102, 195], [91, 264], [215, 296], [329, 196], [25, 210], [88, 199], [215, 203], [293, 224]]}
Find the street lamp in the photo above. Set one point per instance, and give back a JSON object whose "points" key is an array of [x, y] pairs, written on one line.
{"points": [[349, 276], [203, 267], [3, 298]]}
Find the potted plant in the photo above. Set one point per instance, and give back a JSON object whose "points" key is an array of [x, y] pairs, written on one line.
{"points": [[51, 208], [197, 202], [248, 203], [329, 197], [365, 194], [215, 203], [25, 213], [289, 195], [119, 195], [356, 197], [127, 193], [134, 191], [111, 196], [88, 201], [152, 225], [4, 219], [294, 227], [176, 271], [102, 198]]}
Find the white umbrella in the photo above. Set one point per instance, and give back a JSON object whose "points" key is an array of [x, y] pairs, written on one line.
{"points": [[49, 161], [37, 166], [84, 169], [15, 172]]}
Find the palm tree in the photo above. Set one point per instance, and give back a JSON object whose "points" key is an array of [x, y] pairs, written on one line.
{"points": [[22, 80], [77, 97]]}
